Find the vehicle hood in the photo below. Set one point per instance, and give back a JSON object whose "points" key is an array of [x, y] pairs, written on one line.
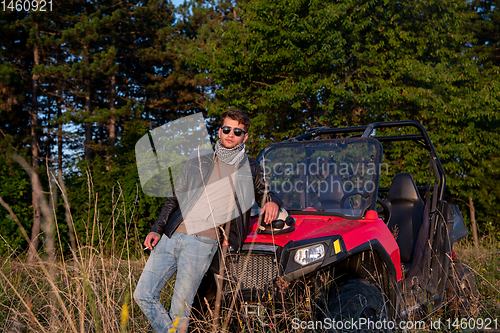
{"points": [[353, 231]]}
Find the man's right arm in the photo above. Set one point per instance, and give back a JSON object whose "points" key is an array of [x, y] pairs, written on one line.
{"points": [[171, 204]]}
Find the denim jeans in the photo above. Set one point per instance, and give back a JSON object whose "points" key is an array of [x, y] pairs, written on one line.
{"points": [[191, 257]]}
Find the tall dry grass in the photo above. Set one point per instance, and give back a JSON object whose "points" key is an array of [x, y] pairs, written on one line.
{"points": [[90, 291], [485, 264]]}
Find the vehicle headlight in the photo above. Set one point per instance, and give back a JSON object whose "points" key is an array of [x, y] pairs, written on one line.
{"points": [[307, 255]]}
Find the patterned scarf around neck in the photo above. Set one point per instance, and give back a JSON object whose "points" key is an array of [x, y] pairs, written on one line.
{"points": [[232, 156]]}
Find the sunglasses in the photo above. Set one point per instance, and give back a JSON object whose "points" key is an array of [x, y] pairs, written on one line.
{"points": [[237, 131]]}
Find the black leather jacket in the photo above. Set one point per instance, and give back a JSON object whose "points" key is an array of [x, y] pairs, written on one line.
{"points": [[171, 217]]}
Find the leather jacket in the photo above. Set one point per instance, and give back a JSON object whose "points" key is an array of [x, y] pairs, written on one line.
{"points": [[196, 171]]}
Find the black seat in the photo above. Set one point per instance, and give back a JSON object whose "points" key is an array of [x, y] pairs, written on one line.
{"points": [[330, 194], [407, 211]]}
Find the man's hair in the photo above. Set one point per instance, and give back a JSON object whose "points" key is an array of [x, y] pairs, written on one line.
{"points": [[238, 115]]}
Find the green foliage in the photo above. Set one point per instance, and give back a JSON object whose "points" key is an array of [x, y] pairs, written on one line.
{"points": [[10, 87], [484, 89], [15, 190], [108, 72], [308, 63], [111, 70]]}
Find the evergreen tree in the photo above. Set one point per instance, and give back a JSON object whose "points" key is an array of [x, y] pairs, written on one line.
{"points": [[23, 104], [308, 63], [479, 196]]}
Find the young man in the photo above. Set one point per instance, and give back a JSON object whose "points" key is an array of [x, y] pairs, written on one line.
{"points": [[211, 190]]}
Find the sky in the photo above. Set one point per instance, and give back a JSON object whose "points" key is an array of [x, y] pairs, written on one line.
{"points": [[177, 2]]}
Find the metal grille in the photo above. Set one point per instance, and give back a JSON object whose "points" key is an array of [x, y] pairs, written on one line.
{"points": [[252, 270]]}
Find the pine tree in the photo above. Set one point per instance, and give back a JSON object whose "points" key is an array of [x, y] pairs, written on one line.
{"points": [[308, 63]]}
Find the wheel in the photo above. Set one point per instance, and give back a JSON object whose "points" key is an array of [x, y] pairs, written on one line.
{"points": [[461, 292], [358, 301]]}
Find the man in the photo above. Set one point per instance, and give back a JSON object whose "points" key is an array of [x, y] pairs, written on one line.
{"points": [[179, 239]]}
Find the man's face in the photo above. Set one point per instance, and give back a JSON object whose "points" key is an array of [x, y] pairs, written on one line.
{"points": [[230, 140]]}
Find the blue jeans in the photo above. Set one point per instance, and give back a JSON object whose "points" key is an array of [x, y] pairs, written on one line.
{"points": [[191, 256]]}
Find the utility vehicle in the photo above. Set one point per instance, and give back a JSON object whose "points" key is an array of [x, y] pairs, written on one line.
{"points": [[362, 241]]}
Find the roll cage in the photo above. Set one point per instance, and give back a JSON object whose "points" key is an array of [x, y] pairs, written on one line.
{"points": [[422, 139]]}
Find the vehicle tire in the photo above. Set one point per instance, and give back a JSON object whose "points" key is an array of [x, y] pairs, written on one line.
{"points": [[358, 301], [461, 292]]}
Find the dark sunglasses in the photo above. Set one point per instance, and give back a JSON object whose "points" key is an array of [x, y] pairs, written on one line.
{"points": [[237, 131]]}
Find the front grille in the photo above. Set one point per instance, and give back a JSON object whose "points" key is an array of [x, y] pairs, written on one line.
{"points": [[252, 270]]}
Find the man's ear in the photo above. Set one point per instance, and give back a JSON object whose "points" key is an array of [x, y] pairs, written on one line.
{"points": [[245, 137], [218, 133]]}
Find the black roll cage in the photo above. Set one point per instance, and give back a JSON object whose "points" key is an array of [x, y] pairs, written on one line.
{"points": [[421, 139]]}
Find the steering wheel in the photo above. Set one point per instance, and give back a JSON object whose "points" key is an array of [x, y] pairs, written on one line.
{"points": [[384, 211], [348, 195]]}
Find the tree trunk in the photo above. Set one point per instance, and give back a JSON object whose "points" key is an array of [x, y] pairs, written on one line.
{"points": [[88, 123], [473, 223], [88, 127], [35, 230], [111, 123], [69, 221], [48, 138], [59, 135]]}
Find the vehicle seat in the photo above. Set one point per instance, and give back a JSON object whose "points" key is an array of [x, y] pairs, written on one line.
{"points": [[407, 211], [330, 193]]}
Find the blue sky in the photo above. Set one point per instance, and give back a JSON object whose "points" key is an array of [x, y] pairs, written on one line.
{"points": [[177, 2]]}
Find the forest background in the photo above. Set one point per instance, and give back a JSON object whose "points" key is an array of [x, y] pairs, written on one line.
{"points": [[82, 81]]}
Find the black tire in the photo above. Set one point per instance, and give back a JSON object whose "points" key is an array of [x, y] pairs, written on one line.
{"points": [[358, 301], [461, 292]]}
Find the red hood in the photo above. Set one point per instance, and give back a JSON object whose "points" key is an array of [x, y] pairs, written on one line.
{"points": [[353, 232], [306, 227]]}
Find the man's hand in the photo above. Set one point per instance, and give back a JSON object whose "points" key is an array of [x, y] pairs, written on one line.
{"points": [[270, 210], [151, 241]]}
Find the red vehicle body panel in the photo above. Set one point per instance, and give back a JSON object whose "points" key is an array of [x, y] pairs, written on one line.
{"points": [[353, 233]]}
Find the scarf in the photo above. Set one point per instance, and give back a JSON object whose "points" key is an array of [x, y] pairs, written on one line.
{"points": [[231, 156]]}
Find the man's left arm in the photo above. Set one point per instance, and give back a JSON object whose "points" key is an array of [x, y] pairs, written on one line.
{"points": [[265, 198]]}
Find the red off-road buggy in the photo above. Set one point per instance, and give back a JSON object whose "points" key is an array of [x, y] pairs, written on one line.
{"points": [[362, 243]]}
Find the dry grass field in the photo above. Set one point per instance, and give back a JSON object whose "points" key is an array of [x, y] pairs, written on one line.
{"points": [[485, 263], [91, 290]]}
